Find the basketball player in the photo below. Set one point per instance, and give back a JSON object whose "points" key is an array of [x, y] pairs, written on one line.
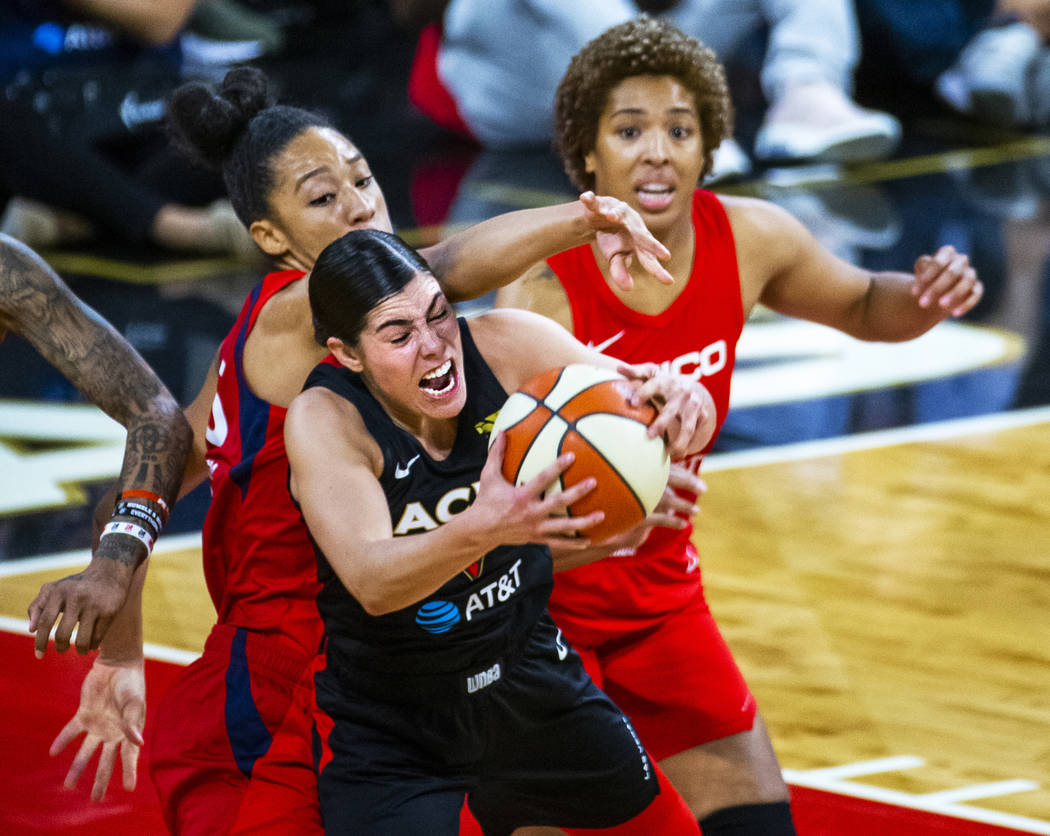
{"points": [[230, 748], [443, 673], [639, 113], [37, 304]]}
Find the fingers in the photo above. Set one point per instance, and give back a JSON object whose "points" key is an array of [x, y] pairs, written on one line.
{"points": [[640, 371], [543, 480], [677, 423], [569, 533], [129, 758], [70, 731], [43, 612], [64, 632], [675, 503], [562, 500], [132, 719], [80, 762], [947, 280], [85, 633], [682, 478], [493, 468], [106, 762], [99, 632], [620, 271], [665, 519], [654, 267], [970, 301]]}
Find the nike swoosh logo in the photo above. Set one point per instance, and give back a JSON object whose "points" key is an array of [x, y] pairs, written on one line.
{"points": [[606, 343], [563, 651], [401, 471]]}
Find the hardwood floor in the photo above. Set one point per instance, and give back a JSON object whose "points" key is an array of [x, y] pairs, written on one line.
{"points": [[892, 601]]}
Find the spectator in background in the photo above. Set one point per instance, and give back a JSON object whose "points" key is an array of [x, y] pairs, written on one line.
{"points": [[985, 58], [84, 83], [500, 62]]}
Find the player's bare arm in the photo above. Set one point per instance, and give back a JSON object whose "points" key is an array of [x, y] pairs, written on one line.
{"points": [[784, 267], [106, 369], [490, 254]]}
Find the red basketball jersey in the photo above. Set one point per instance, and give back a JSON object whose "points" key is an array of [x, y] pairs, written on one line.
{"points": [[259, 562], [696, 335]]}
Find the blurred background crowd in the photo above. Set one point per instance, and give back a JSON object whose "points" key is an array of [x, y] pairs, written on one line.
{"points": [[84, 158]]}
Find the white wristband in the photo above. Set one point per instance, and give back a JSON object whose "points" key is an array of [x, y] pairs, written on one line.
{"points": [[132, 530]]}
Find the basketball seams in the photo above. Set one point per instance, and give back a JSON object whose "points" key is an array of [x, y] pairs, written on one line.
{"points": [[586, 410], [596, 452]]}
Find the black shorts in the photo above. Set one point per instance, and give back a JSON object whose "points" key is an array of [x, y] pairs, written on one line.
{"points": [[536, 743]]}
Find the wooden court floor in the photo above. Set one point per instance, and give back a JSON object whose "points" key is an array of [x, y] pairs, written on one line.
{"points": [[886, 596]]}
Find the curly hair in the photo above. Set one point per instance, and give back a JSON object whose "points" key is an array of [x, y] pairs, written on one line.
{"points": [[643, 46]]}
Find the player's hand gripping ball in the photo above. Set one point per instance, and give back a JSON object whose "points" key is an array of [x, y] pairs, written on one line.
{"points": [[585, 410]]}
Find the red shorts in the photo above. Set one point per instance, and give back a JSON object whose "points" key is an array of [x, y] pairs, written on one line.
{"points": [[675, 679], [231, 742]]}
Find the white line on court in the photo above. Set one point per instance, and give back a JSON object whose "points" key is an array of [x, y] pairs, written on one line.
{"points": [[159, 652], [941, 803], [934, 431]]}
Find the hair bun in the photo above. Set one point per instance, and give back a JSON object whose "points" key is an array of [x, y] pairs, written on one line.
{"points": [[207, 122]]}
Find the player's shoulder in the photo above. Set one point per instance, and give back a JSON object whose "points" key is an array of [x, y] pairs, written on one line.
{"points": [[538, 290], [287, 311], [504, 323], [762, 226], [319, 405], [755, 212]]}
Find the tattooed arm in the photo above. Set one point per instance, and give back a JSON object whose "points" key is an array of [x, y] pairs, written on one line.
{"points": [[35, 303]]}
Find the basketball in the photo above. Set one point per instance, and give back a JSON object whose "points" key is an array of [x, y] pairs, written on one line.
{"points": [[585, 410]]}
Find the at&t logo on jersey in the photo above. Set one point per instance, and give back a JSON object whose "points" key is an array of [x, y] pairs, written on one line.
{"points": [[497, 592], [441, 616], [438, 616]]}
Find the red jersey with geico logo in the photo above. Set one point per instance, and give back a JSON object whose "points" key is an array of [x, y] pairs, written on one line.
{"points": [[696, 335], [259, 562]]}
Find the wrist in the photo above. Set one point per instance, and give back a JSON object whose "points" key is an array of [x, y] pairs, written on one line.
{"points": [[115, 560], [580, 223], [128, 657], [476, 531]]}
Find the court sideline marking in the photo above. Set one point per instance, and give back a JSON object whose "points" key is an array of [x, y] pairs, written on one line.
{"points": [[943, 803]]}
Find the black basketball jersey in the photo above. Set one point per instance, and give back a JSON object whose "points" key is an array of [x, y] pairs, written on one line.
{"points": [[476, 618]]}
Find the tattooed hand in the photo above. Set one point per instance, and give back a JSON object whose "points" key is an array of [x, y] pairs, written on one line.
{"points": [[90, 598]]}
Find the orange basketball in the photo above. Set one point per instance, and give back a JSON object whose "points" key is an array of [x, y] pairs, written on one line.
{"points": [[585, 410]]}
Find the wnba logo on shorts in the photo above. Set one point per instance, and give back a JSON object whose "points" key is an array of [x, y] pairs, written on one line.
{"points": [[477, 681], [437, 616]]}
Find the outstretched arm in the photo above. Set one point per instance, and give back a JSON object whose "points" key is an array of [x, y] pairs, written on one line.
{"points": [[37, 304], [783, 266], [493, 253]]}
